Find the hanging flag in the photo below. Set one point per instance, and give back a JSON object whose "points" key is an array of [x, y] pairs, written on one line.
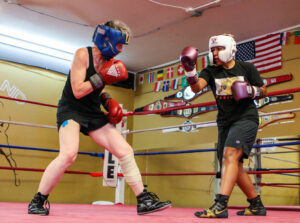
{"points": [[297, 37], [160, 75], [205, 61], [150, 77], [156, 86], [180, 70], [165, 86], [184, 82], [264, 53], [174, 84], [169, 72], [284, 37], [141, 78]]}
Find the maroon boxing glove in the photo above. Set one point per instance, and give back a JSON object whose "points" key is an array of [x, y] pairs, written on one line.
{"points": [[189, 59], [115, 113], [112, 71], [242, 89]]}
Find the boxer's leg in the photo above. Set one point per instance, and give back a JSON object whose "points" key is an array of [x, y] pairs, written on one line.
{"points": [[110, 138]]}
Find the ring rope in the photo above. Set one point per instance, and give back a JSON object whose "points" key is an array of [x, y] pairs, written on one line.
{"points": [[28, 124], [263, 184], [48, 150], [283, 186], [260, 153], [289, 148], [96, 174], [214, 149], [287, 139], [39, 170], [148, 153], [286, 91], [290, 175], [277, 169], [285, 174], [288, 161], [27, 101], [199, 124]]}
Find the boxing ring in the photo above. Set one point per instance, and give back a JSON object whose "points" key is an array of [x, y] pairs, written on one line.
{"points": [[17, 212]]}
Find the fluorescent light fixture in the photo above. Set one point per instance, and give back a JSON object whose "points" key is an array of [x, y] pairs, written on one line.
{"points": [[34, 44]]}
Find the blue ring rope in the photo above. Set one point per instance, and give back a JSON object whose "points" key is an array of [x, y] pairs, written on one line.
{"points": [[49, 150], [149, 153], [213, 149]]}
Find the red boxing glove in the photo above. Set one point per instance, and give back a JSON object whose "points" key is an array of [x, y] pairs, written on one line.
{"points": [[242, 89], [112, 71], [115, 113], [189, 59]]}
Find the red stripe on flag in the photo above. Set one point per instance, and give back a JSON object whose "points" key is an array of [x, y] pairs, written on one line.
{"points": [[268, 53], [273, 54], [268, 37], [269, 67], [267, 62]]}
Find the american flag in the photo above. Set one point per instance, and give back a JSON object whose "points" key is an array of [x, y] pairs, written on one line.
{"points": [[264, 53]]}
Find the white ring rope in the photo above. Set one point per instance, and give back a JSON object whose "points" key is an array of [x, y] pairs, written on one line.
{"points": [[204, 124], [28, 124], [288, 161], [199, 124]]}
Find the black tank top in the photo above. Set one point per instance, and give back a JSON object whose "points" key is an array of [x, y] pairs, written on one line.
{"points": [[89, 104]]}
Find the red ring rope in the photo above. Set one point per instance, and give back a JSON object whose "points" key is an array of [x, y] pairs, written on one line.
{"points": [[286, 91], [30, 102], [284, 186], [95, 174]]}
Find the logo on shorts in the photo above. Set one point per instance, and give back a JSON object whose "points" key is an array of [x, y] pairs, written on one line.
{"points": [[238, 141]]}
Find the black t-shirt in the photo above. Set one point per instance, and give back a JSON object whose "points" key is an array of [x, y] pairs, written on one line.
{"points": [[220, 81], [87, 105]]}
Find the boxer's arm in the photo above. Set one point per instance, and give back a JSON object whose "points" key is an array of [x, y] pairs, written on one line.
{"points": [[80, 63], [111, 72], [264, 91], [188, 59], [201, 83], [115, 113], [242, 89]]}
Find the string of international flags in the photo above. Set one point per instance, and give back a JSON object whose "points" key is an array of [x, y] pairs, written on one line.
{"points": [[265, 53], [170, 83]]}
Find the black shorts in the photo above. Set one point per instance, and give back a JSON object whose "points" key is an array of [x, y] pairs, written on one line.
{"points": [[240, 134], [87, 122]]}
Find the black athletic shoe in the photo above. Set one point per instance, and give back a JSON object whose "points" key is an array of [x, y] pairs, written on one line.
{"points": [[217, 210], [148, 202], [39, 205], [256, 208]]}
